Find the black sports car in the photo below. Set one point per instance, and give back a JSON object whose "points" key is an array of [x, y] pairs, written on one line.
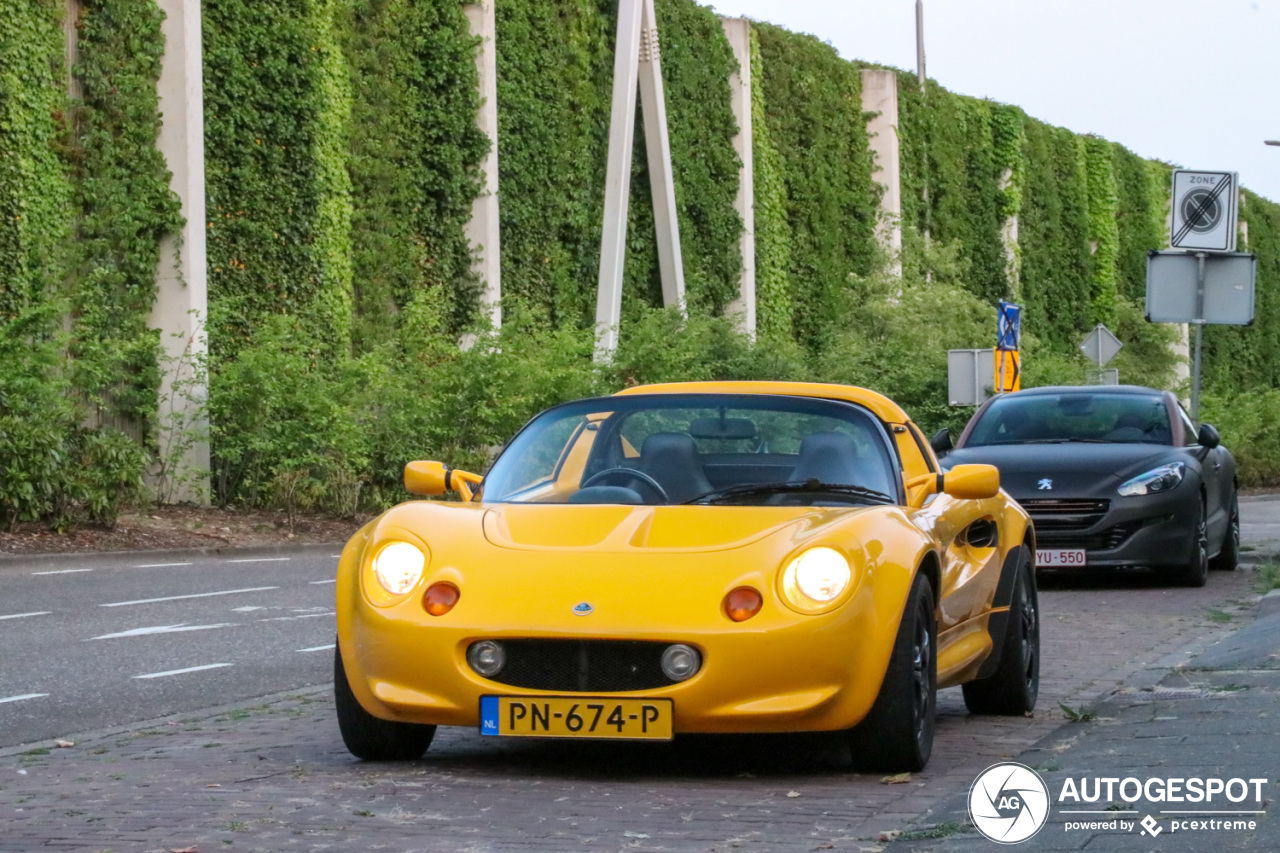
{"points": [[1111, 476]]}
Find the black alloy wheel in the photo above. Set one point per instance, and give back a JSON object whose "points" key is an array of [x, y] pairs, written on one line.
{"points": [[367, 737], [1013, 688], [897, 734], [1229, 557], [1197, 571]]}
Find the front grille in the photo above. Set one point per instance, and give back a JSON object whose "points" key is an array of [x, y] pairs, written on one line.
{"points": [[1067, 516], [583, 666], [1109, 539]]}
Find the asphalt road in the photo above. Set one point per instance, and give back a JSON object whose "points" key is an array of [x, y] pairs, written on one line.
{"points": [[90, 644]]}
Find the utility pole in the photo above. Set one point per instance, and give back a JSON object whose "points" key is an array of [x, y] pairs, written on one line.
{"points": [[924, 144]]}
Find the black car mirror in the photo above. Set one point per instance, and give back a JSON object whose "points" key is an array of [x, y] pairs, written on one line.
{"points": [[1209, 436], [941, 441]]}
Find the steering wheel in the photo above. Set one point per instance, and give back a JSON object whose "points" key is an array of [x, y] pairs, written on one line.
{"points": [[630, 474]]}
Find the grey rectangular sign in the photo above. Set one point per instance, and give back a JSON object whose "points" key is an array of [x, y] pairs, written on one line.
{"points": [[970, 376], [1172, 282]]}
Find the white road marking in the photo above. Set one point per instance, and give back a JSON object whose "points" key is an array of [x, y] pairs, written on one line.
{"points": [[263, 560], [20, 698], [196, 595], [62, 572], [25, 615], [159, 565], [336, 556], [317, 648], [162, 629], [181, 671], [248, 608], [291, 618], [332, 580]]}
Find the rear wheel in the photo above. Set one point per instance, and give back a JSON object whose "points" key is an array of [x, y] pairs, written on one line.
{"points": [[1197, 571], [1229, 557], [897, 735], [1012, 689], [368, 737]]}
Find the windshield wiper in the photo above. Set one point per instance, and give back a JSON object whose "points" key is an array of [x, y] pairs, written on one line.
{"points": [[810, 485]]}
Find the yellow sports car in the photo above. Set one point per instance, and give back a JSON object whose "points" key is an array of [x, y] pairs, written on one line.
{"points": [[701, 557]]}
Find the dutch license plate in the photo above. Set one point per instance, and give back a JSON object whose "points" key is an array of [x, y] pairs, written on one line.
{"points": [[1056, 558], [577, 716]]}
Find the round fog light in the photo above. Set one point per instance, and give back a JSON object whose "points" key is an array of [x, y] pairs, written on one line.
{"points": [[487, 657], [680, 662]]}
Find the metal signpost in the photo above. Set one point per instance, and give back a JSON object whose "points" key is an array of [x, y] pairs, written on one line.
{"points": [[1200, 288], [1100, 346], [968, 373], [1007, 371], [1208, 282]]}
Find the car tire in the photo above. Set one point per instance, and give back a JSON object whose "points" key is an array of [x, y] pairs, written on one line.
{"points": [[367, 737], [1012, 689], [1196, 572], [1229, 557], [897, 734]]}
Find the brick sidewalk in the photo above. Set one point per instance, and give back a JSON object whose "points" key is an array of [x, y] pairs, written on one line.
{"points": [[274, 776]]}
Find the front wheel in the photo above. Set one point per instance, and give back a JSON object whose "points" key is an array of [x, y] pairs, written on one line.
{"points": [[1197, 571], [897, 735], [1012, 689], [1229, 557], [368, 737]]}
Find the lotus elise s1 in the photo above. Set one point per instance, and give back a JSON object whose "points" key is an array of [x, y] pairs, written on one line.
{"points": [[703, 557]]}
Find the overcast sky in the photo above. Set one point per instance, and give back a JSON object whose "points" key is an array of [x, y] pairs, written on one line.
{"points": [[1192, 82]]}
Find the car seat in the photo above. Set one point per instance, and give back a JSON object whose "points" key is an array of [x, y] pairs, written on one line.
{"points": [[671, 458]]}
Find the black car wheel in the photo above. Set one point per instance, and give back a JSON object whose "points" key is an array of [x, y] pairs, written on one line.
{"points": [[897, 735], [1229, 557], [1197, 571], [368, 737], [1012, 689]]}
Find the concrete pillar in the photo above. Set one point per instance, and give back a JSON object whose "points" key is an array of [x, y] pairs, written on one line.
{"points": [[880, 97], [482, 230], [1009, 239], [738, 32], [181, 305]]}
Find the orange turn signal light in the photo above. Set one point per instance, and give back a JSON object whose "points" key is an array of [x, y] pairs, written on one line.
{"points": [[440, 598], [743, 603]]}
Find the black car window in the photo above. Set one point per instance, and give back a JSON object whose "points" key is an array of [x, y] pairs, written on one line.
{"points": [[1073, 416]]}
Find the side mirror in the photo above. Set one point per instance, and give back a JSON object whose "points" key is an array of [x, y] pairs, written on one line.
{"points": [[941, 442], [426, 478], [972, 482], [1209, 436], [435, 478]]}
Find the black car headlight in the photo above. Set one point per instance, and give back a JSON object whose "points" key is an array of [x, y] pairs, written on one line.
{"points": [[1160, 479]]}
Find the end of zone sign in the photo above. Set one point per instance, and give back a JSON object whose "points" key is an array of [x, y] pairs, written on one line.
{"points": [[1205, 209]]}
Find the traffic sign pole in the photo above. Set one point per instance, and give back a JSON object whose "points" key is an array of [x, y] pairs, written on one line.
{"points": [[1199, 324]]}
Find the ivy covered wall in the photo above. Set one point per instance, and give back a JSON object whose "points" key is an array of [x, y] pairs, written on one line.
{"points": [[342, 159]]}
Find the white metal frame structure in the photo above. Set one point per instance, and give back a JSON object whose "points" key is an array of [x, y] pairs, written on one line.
{"points": [[637, 63]]}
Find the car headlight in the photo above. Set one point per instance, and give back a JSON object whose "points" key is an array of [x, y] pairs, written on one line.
{"points": [[398, 567], [1156, 480], [815, 579]]}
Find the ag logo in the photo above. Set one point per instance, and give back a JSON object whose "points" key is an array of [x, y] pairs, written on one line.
{"points": [[1009, 803]]}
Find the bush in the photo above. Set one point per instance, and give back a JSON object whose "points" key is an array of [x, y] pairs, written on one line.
{"points": [[1246, 420]]}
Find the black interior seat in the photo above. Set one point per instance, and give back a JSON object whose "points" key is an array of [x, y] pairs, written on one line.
{"points": [[671, 458], [830, 457]]}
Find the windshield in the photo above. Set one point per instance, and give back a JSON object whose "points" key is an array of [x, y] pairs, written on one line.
{"points": [[680, 448], [1074, 416]]}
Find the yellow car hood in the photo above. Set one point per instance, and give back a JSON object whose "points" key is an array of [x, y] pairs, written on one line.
{"points": [[611, 528]]}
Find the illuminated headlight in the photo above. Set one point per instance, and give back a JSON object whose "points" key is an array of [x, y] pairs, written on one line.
{"points": [[487, 657], [1156, 480], [681, 662], [398, 567], [816, 578]]}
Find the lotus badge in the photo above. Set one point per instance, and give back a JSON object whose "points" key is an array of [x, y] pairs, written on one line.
{"points": [[582, 608]]}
